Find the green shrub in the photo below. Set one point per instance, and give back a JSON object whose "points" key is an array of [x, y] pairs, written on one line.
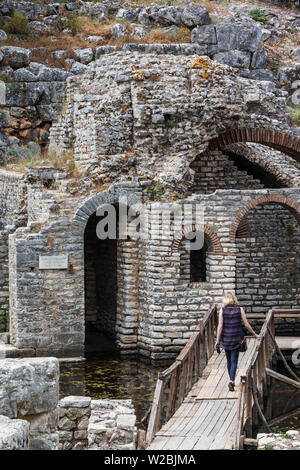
{"points": [[258, 15], [18, 24], [73, 25], [294, 112]]}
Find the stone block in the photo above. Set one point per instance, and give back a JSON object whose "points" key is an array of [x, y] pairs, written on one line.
{"points": [[14, 434], [126, 422], [28, 386]]}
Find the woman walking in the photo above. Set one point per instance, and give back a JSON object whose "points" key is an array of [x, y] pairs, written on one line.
{"points": [[230, 333]]}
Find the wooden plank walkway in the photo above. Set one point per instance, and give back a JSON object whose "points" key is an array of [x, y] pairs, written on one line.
{"points": [[207, 418]]}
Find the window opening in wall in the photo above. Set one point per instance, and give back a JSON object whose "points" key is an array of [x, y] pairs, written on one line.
{"points": [[198, 271]]}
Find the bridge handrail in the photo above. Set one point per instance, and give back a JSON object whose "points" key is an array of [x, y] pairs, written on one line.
{"points": [[256, 373], [182, 373]]}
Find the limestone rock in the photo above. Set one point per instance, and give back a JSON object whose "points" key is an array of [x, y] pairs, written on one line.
{"points": [[84, 56], [16, 57], [99, 11], [78, 68], [127, 14], [234, 58], [168, 15], [194, 14], [118, 31], [204, 35], [28, 386], [295, 53], [3, 35], [259, 60], [14, 434], [37, 27], [246, 37]]}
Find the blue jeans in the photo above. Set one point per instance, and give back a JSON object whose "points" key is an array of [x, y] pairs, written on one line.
{"points": [[232, 357]]}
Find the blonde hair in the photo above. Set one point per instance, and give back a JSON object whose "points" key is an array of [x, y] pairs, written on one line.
{"points": [[229, 299]]}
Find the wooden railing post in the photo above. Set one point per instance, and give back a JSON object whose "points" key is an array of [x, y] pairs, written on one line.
{"points": [[188, 365], [154, 420]]}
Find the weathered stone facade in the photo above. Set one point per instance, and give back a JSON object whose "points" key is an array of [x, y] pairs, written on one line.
{"points": [[164, 129]]}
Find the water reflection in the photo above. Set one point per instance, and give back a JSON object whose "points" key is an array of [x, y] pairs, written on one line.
{"points": [[107, 375]]}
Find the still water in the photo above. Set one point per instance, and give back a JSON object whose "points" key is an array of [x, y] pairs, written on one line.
{"points": [[105, 375]]}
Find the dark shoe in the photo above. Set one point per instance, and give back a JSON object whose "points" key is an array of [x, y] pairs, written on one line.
{"points": [[231, 386]]}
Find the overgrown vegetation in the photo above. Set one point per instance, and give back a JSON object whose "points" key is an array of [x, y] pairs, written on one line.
{"points": [[258, 15], [18, 24], [294, 112], [155, 193]]}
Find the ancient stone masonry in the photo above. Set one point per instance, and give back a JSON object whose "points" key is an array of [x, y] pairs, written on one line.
{"points": [[14, 434], [36, 92], [112, 425], [74, 414], [166, 129], [86, 424], [158, 133], [290, 440], [32, 417], [34, 98]]}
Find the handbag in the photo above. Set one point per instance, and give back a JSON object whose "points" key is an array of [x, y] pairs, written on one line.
{"points": [[243, 345]]}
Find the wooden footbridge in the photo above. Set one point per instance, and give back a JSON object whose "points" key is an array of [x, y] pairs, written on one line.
{"points": [[193, 408]]}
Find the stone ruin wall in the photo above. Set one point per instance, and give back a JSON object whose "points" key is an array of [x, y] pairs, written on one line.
{"points": [[33, 418], [157, 308], [267, 265], [161, 109]]}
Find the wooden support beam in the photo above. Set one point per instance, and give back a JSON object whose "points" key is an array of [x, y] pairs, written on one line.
{"points": [[250, 442], [283, 378], [141, 445], [282, 356], [283, 417], [255, 397]]}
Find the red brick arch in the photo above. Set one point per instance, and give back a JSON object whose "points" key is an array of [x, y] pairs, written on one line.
{"points": [[279, 140], [214, 244], [288, 202]]}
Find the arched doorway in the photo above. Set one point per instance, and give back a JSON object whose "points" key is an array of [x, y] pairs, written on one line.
{"points": [[101, 288], [111, 277]]}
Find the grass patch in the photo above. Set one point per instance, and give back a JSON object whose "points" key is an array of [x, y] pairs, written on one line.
{"points": [[155, 193], [18, 24], [258, 15], [294, 113], [268, 447]]}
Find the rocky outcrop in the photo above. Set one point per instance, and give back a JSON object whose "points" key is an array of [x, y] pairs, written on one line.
{"points": [[29, 390], [34, 96], [289, 440], [14, 434]]}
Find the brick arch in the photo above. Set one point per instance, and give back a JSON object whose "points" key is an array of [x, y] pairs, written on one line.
{"points": [[91, 204], [289, 203], [279, 140], [214, 244]]}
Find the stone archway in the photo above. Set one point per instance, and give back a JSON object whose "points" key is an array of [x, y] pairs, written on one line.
{"points": [[279, 140], [193, 264], [288, 202], [267, 240], [111, 301]]}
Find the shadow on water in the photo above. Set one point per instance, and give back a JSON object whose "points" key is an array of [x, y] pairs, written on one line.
{"points": [[105, 374], [285, 399]]}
